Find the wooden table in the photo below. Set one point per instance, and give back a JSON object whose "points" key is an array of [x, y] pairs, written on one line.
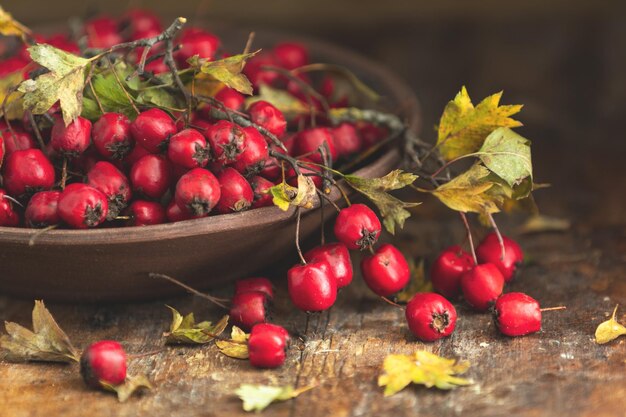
{"points": [[557, 372]]}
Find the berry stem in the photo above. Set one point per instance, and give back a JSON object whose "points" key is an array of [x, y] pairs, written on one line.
{"points": [[388, 301], [64, 173], [322, 207], [326, 198], [498, 234], [343, 193], [298, 215], [214, 300], [553, 308], [469, 236], [33, 238], [33, 124], [249, 43], [142, 355]]}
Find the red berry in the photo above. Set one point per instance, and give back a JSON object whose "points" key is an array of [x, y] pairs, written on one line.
{"points": [[102, 33], [236, 192], [259, 284], [447, 269], [269, 117], [255, 72], [18, 140], [347, 140], [145, 213], [152, 129], [271, 169], [517, 314], [312, 287], [188, 148], [82, 206], [103, 361], [490, 251], [142, 20], [111, 136], [357, 227], [291, 55], [61, 41], [231, 98], [336, 94], [260, 188], [71, 140], [8, 216], [136, 154], [338, 258], [151, 176], [14, 64], [482, 285], [196, 42], [27, 172], [227, 141], [248, 308], [386, 271], [42, 210], [105, 177], [175, 213], [430, 316], [252, 160], [197, 192], [267, 345], [371, 133], [307, 142]]}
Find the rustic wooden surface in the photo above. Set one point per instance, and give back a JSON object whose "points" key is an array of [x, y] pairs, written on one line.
{"points": [[559, 371]]}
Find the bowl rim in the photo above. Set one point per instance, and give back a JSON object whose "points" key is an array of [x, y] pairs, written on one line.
{"points": [[255, 217]]}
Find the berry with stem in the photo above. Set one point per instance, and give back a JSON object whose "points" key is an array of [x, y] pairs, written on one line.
{"points": [[482, 285], [517, 314], [311, 286], [446, 271], [338, 258], [386, 271], [269, 117], [506, 255], [248, 308]]}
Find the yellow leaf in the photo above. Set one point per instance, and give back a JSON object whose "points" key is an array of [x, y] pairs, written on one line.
{"points": [[284, 195], [227, 71], [258, 397], [609, 330], [14, 105], [185, 330], [10, 26], [237, 346], [463, 127], [423, 368], [128, 387]]}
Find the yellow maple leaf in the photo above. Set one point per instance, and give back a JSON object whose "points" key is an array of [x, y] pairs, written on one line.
{"points": [[463, 127], [10, 26], [13, 104]]}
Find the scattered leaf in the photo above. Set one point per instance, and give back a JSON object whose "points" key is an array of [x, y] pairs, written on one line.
{"points": [[129, 387], [284, 195], [507, 155], [185, 330], [418, 282], [47, 342], [258, 397], [237, 346], [391, 208], [463, 127], [10, 26], [541, 223], [227, 71], [14, 105], [609, 330], [64, 83], [287, 103], [423, 368]]}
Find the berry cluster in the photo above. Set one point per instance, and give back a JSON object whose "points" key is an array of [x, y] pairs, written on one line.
{"points": [[160, 165]]}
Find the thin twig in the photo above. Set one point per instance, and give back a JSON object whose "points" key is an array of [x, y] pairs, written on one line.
{"points": [[214, 300], [298, 237]]}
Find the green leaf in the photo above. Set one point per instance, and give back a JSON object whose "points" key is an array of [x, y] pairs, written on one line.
{"points": [[47, 342], [129, 387], [391, 209], [287, 103], [258, 397], [111, 93], [227, 71], [159, 97], [418, 283], [237, 346], [284, 195], [90, 109], [64, 83], [423, 368], [469, 192], [507, 155], [185, 330], [463, 127]]}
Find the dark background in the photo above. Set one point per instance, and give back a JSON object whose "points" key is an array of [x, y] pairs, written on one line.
{"points": [[565, 60]]}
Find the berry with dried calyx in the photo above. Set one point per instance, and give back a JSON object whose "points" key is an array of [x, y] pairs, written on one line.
{"points": [[430, 316], [357, 227]]}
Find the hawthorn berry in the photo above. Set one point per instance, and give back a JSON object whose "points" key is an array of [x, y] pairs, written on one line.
{"points": [[103, 361], [269, 117], [271, 169], [188, 149], [145, 213], [259, 284], [252, 160], [371, 134], [291, 55], [102, 33], [175, 213], [82, 206], [198, 192], [347, 140], [517, 314], [104, 176], [357, 227], [248, 308], [42, 209], [430, 316], [386, 271], [226, 140], [71, 140], [308, 141], [338, 258], [151, 176], [27, 172], [135, 155], [17, 140], [261, 189], [445, 274], [111, 136], [490, 251], [311, 286], [152, 129], [8, 216], [255, 72], [141, 20], [236, 192], [267, 346], [193, 42], [482, 285], [231, 98]]}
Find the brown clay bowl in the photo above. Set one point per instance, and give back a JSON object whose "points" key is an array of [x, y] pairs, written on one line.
{"points": [[113, 264]]}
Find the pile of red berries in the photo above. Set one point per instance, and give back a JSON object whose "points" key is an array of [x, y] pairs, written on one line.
{"points": [[159, 166]]}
